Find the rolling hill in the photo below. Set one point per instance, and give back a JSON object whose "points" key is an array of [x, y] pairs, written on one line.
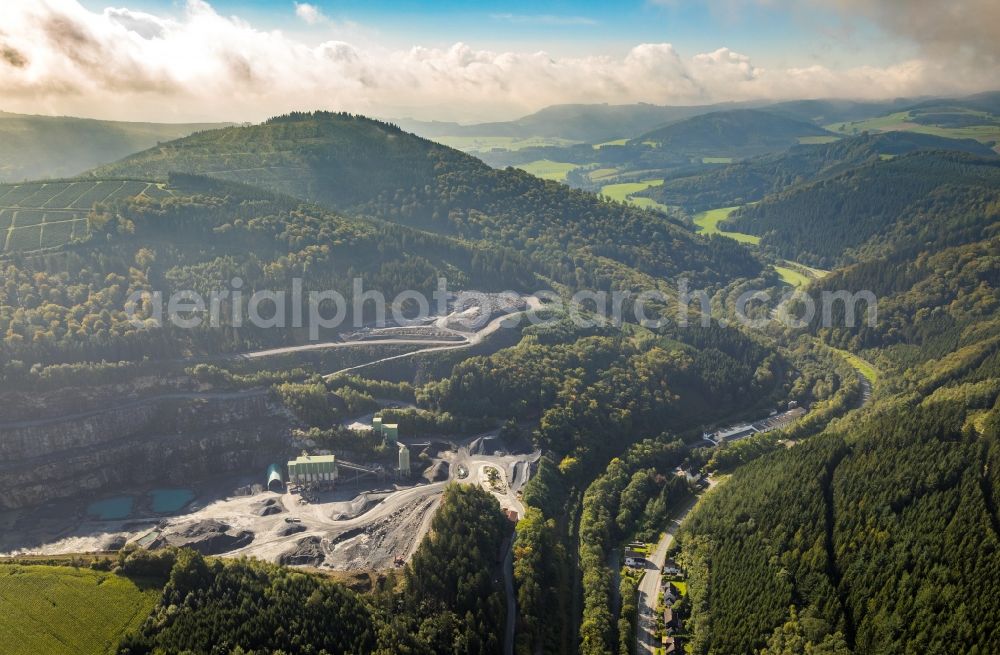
{"points": [[34, 147], [752, 179], [738, 132], [360, 166], [938, 197], [584, 123]]}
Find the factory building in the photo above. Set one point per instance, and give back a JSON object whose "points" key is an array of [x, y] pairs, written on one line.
{"points": [[313, 469], [388, 431]]}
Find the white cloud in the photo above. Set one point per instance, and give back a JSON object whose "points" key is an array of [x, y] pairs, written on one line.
{"points": [[309, 13], [58, 57]]}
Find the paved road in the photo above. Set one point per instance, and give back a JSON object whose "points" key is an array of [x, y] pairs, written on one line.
{"points": [[508, 585], [649, 585]]}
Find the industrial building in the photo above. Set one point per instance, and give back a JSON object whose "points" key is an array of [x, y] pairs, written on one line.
{"points": [[313, 469], [275, 482], [388, 431], [404, 461]]}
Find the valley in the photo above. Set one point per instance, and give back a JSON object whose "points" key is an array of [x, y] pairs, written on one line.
{"points": [[511, 472]]}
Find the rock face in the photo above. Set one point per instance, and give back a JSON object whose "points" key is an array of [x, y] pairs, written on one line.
{"points": [[307, 552], [171, 438], [207, 537]]}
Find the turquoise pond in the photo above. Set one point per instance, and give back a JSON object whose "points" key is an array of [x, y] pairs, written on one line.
{"points": [[165, 501], [111, 508]]}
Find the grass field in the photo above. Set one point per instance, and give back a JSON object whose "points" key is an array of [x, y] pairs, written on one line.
{"points": [[616, 142], [487, 143], [864, 368], [901, 121], [791, 276], [716, 160], [548, 169], [56, 610], [817, 140], [707, 223], [39, 215], [623, 193], [599, 174]]}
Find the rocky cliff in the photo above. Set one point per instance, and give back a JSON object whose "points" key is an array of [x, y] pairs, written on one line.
{"points": [[170, 438]]}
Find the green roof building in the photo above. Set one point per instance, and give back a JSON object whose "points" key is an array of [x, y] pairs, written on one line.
{"points": [[312, 468]]}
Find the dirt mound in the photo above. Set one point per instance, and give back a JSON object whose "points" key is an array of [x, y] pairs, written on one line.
{"points": [[307, 552], [437, 472], [484, 446], [268, 507], [289, 530], [208, 537]]}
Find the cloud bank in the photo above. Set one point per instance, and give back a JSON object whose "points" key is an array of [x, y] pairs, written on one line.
{"points": [[58, 57]]}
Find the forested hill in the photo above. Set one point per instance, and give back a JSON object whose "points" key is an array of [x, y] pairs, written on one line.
{"points": [[33, 147], [946, 197], [752, 179], [880, 535], [738, 130], [358, 165], [69, 305]]}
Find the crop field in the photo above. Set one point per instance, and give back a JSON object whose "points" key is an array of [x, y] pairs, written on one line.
{"points": [[548, 169], [708, 223], [616, 142], [38, 215], [988, 131], [817, 140], [60, 610], [623, 193], [488, 143]]}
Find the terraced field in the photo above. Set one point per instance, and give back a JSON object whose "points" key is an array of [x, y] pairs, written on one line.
{"points": [[37, 215], [61, 610]]}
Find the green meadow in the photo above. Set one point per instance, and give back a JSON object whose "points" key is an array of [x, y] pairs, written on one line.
{"points": [[59, 610], [707, 223], [623, 191], [548, 169]]}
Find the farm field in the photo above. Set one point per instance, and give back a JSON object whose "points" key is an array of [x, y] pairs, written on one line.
{"points": [[60, 610], [708, 223], [987, 132], [623, 193], [616, 142], [488, 143], [817, 140], [716, 160], [548, 169], [37, 215]]}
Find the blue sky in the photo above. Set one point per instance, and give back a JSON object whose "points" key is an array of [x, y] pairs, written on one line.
{"points": [[770, 32]]}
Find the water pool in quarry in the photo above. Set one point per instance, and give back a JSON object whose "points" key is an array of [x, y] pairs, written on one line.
{"points": [[165, 501], [160, 501]]}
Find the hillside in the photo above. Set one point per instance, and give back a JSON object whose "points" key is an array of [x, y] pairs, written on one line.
{"points": [[859, 539], [33, 147], [735, 132], [586, 123], [971, 117], [938, 197], [752, 179], [198, 234], [357, 165]]}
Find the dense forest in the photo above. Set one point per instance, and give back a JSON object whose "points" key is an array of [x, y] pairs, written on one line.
{"points": [[355, 164], [947, 197], [750, 180]]}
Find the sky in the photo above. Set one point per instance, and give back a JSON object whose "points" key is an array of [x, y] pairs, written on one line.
{"points": [[228, 60]]}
